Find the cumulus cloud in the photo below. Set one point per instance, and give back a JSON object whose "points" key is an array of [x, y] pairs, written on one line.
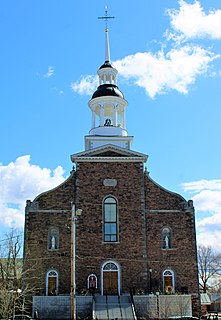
{"points": [[21, 180], [86, 85], [158, 73], [207, 202], [200, 24], [176, 68], [50, 72]]}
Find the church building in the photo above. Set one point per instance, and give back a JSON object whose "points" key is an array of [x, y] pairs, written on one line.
{"points": [[109, 229]]}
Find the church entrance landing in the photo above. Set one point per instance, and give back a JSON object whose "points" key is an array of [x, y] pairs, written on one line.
{"points": [[110, 285]]}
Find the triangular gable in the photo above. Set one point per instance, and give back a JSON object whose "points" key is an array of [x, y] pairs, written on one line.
{"points": [[109, 152]]}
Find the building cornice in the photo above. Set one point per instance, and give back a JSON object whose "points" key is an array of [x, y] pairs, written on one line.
{"points": [[108, 159]]}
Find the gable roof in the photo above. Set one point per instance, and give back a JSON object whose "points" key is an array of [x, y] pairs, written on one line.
{"points": [[109, 153]]}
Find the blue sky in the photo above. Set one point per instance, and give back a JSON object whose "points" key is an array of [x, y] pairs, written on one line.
{"points": [[168, 57]]}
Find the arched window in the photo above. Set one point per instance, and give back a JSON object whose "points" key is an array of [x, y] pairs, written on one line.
{"points": [[168, 282], [53, 238], [110, 230], [166, 238], [52, 283], [92, 281]]}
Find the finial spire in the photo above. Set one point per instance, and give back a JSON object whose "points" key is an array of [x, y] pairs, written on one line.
{"points": [[106, 17]]}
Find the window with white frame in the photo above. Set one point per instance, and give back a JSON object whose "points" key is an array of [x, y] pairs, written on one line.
{"points": [[110, 231], [92, 281]]}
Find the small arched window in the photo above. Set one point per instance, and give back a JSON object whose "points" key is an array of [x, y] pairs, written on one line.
{"points": [[53, 238], [92, 281], [166, 238], [168, 282], [52, 283], [110, 231]]}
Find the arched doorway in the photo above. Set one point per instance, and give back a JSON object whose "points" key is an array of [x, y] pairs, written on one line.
{"points": [[168, 282], [110, 278], [52, 283]]}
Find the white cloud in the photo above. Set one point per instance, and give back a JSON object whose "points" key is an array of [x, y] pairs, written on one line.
{"points": [[158, 73], [50, 72], [207, 202], [191, 22], [178, 68], [203, 184], [86, 85], [19, 181]]}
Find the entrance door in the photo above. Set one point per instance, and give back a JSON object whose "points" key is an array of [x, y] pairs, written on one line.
{"points": [[110, 279], [111, 282]]}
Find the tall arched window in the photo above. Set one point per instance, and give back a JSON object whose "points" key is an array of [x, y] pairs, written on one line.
{"points": [[52, 283], [166, 238], [168, 282], [110, 230], [53, 238]]}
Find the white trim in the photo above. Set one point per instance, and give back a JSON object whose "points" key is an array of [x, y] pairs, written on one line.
{"points": [[109, 159], [102, 277], [108, 147]]}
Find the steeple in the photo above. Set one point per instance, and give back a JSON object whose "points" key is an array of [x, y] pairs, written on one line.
{"points": [[108, 106], [107, 47]]}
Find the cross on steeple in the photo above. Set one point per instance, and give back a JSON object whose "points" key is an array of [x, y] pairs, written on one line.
{"points": [[106, 17]]}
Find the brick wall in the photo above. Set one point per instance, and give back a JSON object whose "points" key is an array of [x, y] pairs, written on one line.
{"points": [[144, 210], [130, 251]]}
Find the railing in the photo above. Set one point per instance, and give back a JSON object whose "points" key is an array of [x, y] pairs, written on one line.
{"points": [[133, 305], [93, 309], [107, 305], [121, 314]]}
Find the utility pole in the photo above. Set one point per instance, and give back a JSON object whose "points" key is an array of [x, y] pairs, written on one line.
{"points": [[74, 214]]}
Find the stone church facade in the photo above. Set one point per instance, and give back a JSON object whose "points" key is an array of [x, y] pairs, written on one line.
{"points": [[131, 234]]}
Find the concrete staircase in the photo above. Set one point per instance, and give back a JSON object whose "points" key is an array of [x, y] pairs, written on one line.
{"points": [[113, 308]]}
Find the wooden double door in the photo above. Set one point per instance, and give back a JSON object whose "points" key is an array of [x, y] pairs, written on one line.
{"points": [[110, 282]]}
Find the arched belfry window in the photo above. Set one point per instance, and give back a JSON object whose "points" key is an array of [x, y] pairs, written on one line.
{"points": [[52, 283], [168, 282], [166, 238], [110, 231], [53, 238]]}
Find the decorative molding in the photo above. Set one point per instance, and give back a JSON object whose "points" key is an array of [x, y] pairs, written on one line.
{"points": [[162, 211], [109, 159], [48, 211], [93, 155]]}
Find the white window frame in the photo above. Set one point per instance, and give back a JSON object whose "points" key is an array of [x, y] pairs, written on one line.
{"points": [[88, 280]]}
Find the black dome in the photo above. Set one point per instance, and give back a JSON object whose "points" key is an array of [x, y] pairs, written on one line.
{"points": [[106, 64], [108, 90]]}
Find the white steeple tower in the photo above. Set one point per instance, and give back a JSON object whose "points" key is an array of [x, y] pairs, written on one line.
{"points": [[108, 108]]}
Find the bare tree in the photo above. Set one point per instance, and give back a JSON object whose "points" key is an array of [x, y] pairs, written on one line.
{"points": [[209, 265], [14, 295]]}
